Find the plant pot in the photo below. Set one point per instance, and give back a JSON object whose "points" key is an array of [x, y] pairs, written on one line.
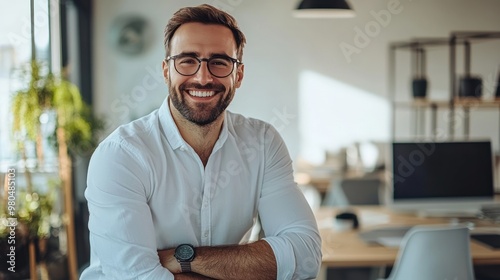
{"points": [[419, 87], [470, 87]]}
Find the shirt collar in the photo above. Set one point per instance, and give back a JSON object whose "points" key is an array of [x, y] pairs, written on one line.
{"points": [[223, 133], [172, 133], [167, 124]]}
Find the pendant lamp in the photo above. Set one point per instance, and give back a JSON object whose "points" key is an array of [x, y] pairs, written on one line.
{"points": [[323, 9]]}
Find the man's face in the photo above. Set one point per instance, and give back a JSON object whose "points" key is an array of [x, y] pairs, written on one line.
{"points": [[202, 97]]}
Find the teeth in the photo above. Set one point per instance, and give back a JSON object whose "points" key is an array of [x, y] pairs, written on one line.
{"points": [[201, 93]]}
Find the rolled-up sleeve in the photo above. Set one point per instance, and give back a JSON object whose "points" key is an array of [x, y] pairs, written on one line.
{"points": [[122, 235], [286, 217]]}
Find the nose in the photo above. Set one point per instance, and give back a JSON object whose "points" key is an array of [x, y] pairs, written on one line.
{"points": [[203, 76]]}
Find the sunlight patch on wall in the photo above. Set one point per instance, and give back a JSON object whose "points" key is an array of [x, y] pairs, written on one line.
{"points": [[334, 115]]}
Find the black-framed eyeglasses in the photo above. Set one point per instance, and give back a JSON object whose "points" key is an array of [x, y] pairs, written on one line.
{"points": [[219, 66]]}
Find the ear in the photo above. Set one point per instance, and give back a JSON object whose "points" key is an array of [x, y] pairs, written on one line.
{"points": [[240, 71], [164, 66]]}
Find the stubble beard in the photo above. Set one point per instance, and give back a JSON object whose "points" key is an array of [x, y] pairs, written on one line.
{"points": [[201, 114]]}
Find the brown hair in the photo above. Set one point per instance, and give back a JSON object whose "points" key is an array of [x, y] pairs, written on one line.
{"points": [[208, 15]]}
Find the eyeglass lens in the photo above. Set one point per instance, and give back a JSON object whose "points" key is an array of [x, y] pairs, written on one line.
{"points": [[218, 66]]}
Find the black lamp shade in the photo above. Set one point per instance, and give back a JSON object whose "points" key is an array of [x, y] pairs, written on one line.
{"points": [[323, 9], [324, 4]]}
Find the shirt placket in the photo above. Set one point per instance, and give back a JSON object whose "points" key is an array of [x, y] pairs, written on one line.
{"points": [[209, 183], [205, 213], [206, 233]]}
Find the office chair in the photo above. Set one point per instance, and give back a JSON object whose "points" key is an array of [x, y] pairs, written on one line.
{"points": [[434, 253], [354, 191]]}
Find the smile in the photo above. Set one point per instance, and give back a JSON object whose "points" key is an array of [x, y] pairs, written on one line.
{"points": [[199, 93]]}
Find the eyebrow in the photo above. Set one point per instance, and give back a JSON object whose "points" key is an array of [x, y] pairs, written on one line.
{"points": [[197, 54]]}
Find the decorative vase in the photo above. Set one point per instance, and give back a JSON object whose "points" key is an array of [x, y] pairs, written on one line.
{"points": [[470, 87], [419, 83], [419, 87]]}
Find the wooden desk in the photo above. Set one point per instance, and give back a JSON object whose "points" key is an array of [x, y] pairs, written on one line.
{"points": [[346, 249]]}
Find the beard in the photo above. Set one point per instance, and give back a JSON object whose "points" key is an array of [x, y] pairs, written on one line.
{"points": [[200, 114]]}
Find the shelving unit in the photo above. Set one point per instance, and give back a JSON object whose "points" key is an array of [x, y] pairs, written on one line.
{"points": [[419, 105]]}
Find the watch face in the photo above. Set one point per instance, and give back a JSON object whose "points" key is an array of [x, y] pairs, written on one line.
{"points": [[184, 252]]}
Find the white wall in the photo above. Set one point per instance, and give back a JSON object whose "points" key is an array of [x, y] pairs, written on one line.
{"points": [[282, 55]]}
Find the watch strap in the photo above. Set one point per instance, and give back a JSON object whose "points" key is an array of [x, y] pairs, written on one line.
{"points": [[185, 267]]}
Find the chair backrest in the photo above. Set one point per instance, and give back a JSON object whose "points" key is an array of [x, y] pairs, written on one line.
{"points": [[434, 253], [354, 191]]}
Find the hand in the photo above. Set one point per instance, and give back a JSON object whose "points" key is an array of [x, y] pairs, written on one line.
{"points": [[168, 260]]}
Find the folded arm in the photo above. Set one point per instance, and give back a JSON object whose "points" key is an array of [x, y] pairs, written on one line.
{"points": [[250, 261], [122, 234], [292, 246], [286, 217]]}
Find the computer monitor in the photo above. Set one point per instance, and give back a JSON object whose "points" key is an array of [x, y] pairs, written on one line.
{"points": [[442, 178]]}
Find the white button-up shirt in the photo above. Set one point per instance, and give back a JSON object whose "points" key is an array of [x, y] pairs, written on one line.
{"points": [[147, 189]]}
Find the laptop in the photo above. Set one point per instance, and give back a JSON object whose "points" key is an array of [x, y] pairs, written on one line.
{"points": [[390, 236]]}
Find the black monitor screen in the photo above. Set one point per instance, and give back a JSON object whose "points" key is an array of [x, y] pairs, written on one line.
{"points": [[442, 170]]}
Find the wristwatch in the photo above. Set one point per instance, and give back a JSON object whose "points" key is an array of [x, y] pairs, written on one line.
{"points": [[184, 254]]}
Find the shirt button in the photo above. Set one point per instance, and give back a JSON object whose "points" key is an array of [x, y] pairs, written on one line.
{"points": [[206, 234]]}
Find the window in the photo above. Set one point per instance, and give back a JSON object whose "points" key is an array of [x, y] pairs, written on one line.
{"points": [[16, 52]]}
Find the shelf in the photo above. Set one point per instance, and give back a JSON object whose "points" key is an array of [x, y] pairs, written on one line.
{"points": [[475, 102], [418, 46], [420, 42], [475, 35], [468, 102]]}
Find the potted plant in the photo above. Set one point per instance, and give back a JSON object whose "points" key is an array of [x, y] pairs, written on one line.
{"points": [[74, 130]]}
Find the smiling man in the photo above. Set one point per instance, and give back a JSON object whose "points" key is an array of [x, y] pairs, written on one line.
{"points": [[175, 194]]}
